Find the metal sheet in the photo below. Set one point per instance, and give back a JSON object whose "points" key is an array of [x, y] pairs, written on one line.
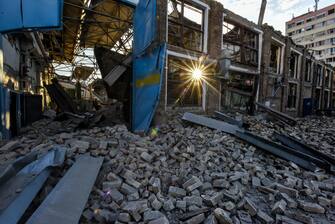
{"points": [[29, 181], [68, 199], [291, 142], [16, 209], [117, 71], [45, 14], [147, 81], [145, 25], [9, 170], [30, 14], [10, 15], [279, 115], [281, 151], [211, 123], [228, 119]]}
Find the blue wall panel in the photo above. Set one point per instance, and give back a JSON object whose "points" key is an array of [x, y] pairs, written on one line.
{"points": [[10, 15], [42, 13], [144, 25], [30, 14], [148, 66]]}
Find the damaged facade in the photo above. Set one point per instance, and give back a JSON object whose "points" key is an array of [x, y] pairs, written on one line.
{"points": [[242, 63], [265, 66], [292, 80]]}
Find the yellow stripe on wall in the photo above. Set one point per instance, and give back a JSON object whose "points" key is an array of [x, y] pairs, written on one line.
{"points": [[150, 80]]}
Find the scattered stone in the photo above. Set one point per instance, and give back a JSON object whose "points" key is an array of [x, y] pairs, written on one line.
{"points": [[152, 215], [168, 205], [264, 218], [211, 220], [146, 157], [250, 207], [196, 219], [311, 207], [287, 190], [192, 184], [177, 192], [279, 207], [124, 217], [222, 216], [162, 220]]}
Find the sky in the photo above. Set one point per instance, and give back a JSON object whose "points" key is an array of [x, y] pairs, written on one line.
{"points": [[277, 11]]}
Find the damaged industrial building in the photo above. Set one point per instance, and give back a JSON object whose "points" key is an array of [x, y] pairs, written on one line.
{"points": [[160, 111]]}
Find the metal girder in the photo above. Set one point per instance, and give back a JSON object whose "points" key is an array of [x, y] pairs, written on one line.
{"points": [[117, 71], [279, 115], [211, 123], [13, 213], [228, 119], [29, 181], [11, 169], [68, 199], [304, 160], [327, 163]]}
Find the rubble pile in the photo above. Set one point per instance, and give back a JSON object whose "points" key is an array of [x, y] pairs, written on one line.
{"points": [[182, 173], [317, 132]]}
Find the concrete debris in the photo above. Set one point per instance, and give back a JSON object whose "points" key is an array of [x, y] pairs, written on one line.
{"points": [[192, 174], [222, 216]]}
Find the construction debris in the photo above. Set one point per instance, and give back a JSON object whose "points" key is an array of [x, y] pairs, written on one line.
{"points": [[67, 200], [278, 115], [192, 174]]}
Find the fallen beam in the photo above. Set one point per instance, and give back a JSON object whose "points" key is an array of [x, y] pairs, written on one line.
{"points": [[228, 119], [328, 162], [211, 123], [67, 200], [60, 97], [279, 115], [18, 192], [9, 170], [16, 209], [304, 160], [117, 71]]}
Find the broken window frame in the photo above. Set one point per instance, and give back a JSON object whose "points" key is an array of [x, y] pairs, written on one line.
{"points": [[297, 58], [180, 39], [184, 77], [327, 79], [239, 41], [326, 99], [292, 96], [277, 69], [319, 72], [308, 70]]}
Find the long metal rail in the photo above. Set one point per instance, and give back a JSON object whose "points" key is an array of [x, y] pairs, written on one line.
{"points": [[290, 149], [328, 163]]}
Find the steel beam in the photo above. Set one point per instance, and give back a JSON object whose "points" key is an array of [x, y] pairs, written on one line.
{"points": [[327, 163], [13, 213], [306, 161], [211, 123], [228, 119], [279, 115], [67, 200]]}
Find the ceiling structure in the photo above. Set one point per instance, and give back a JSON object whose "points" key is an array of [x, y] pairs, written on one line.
{"points": [[86, 24]]}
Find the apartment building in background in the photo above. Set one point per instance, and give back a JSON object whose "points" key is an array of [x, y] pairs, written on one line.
{"points": [[316, 31]]}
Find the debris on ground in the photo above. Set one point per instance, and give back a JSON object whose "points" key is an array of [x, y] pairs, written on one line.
{"points": [[186, 173]]}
